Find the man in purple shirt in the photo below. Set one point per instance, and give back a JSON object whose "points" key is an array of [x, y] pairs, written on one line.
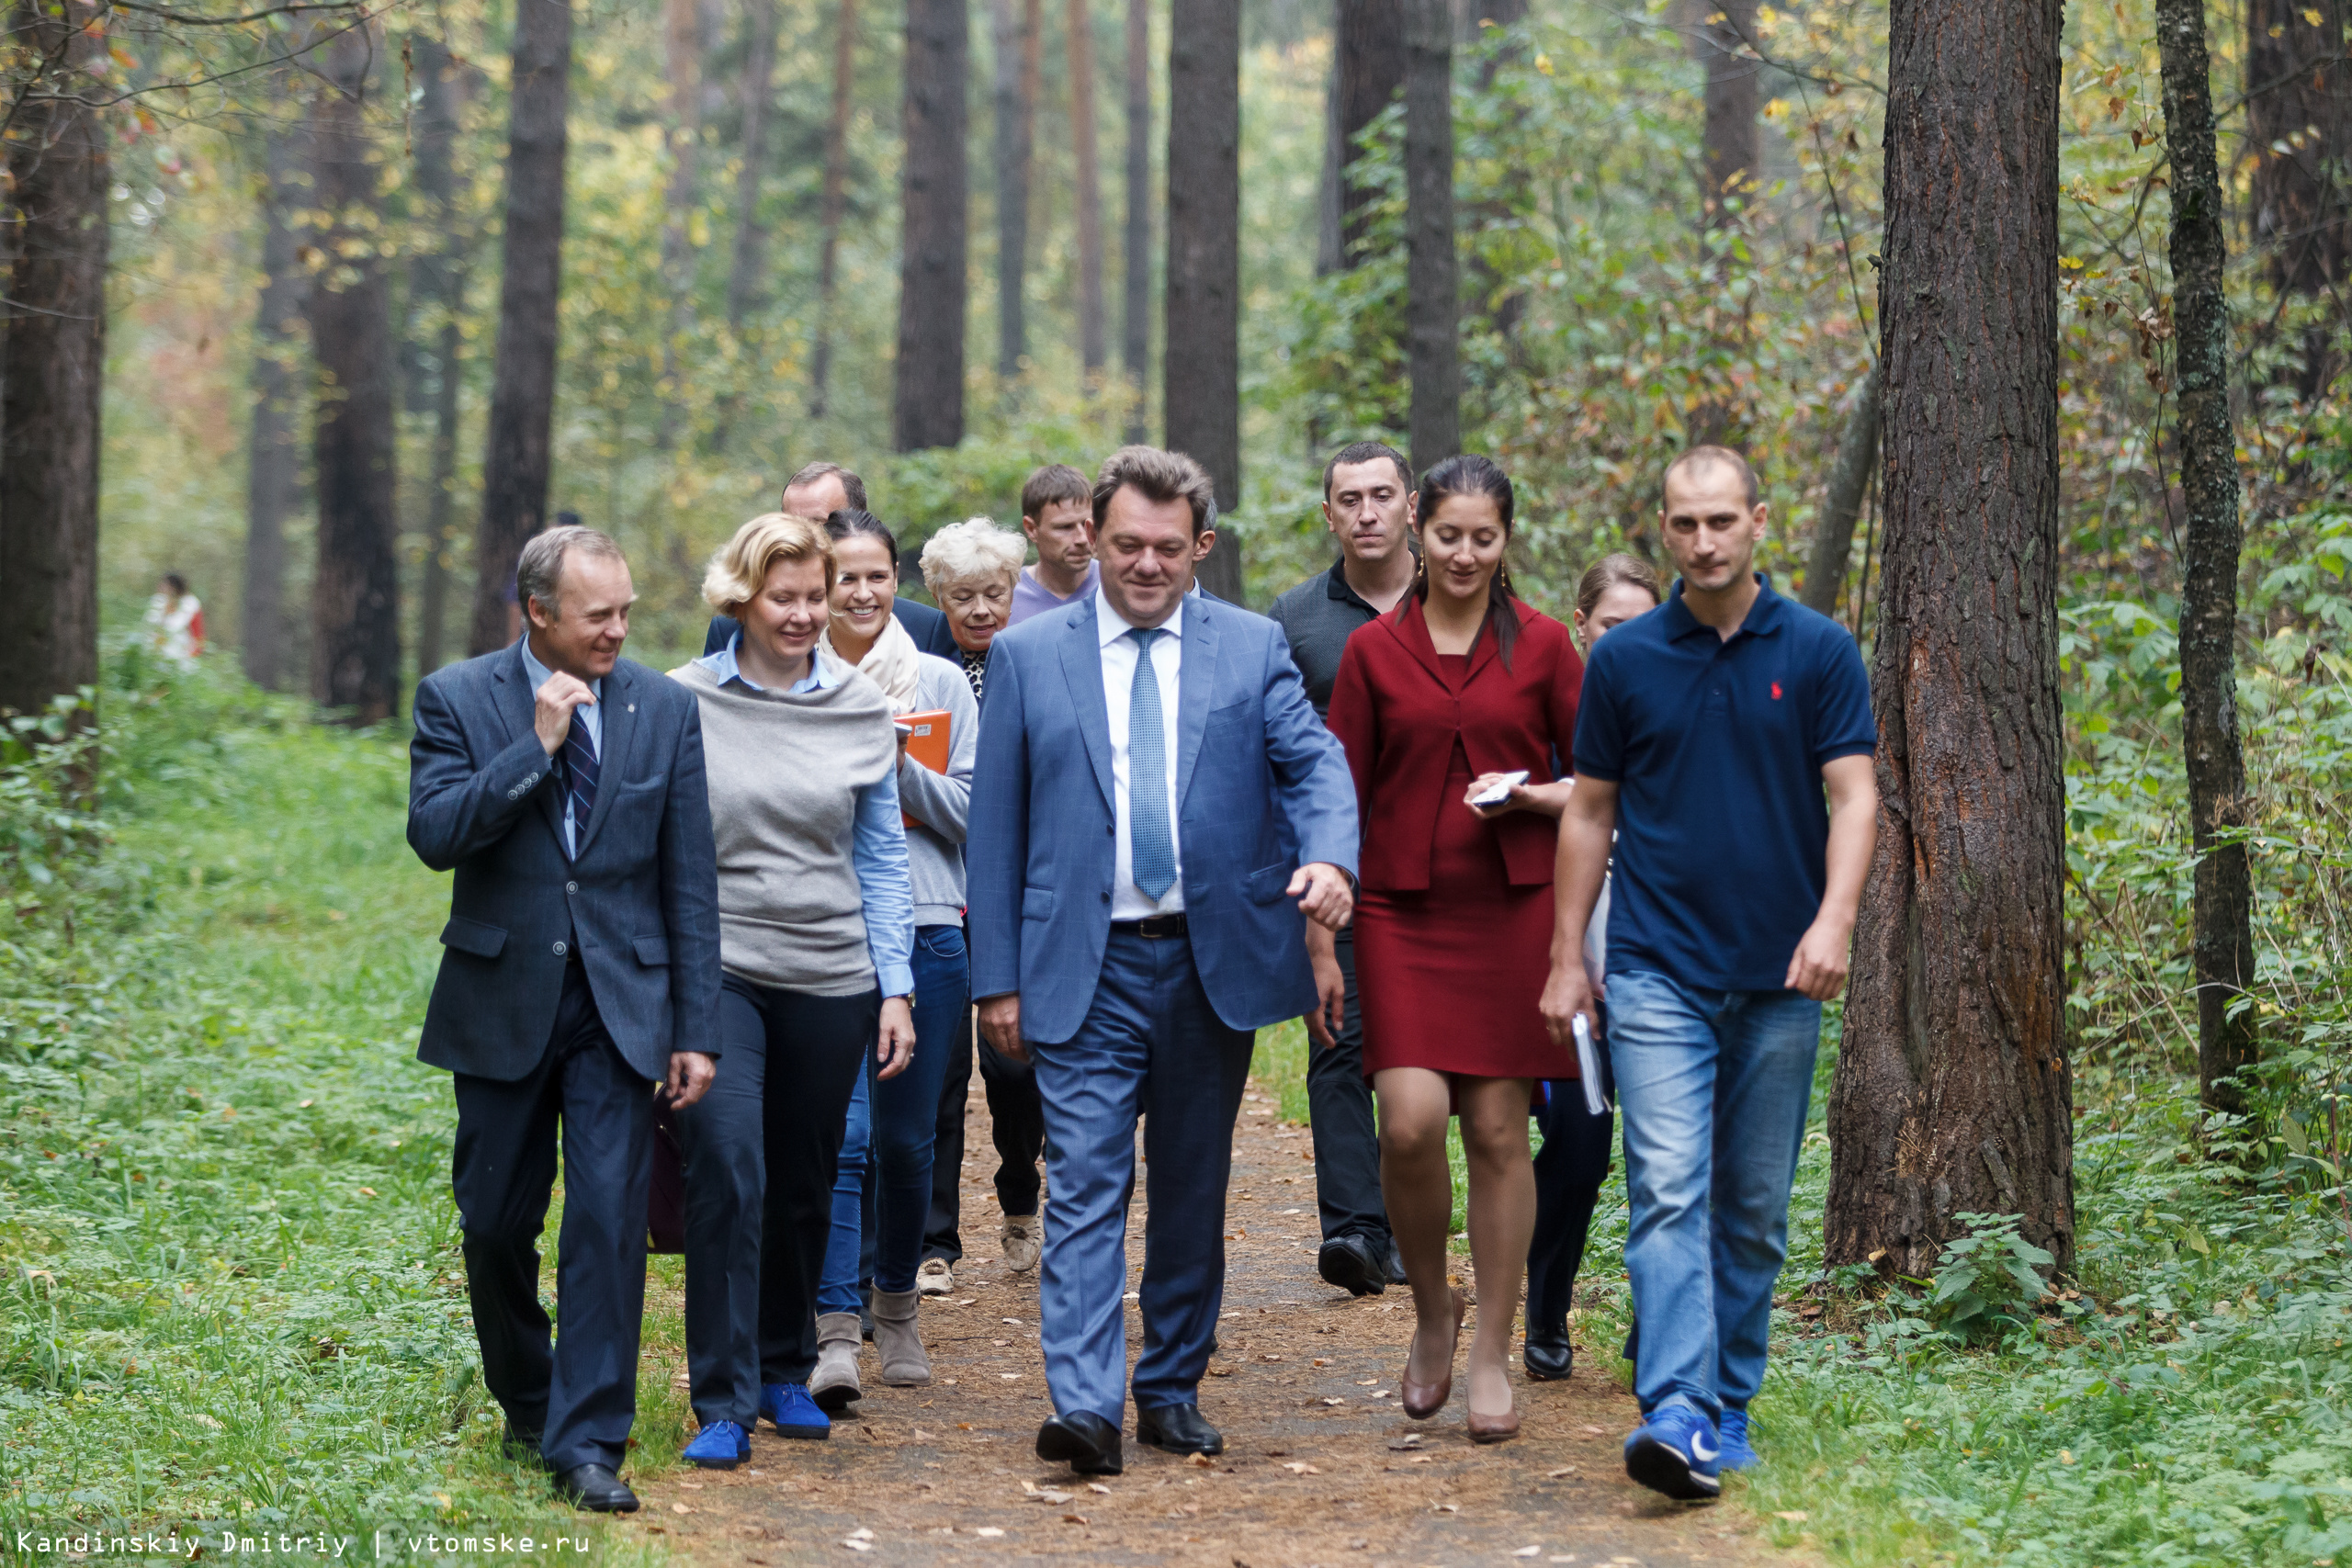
{"points": [[1056, 503]]}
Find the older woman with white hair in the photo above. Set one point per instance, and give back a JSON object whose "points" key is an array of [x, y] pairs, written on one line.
{"points": [[970, 568]]}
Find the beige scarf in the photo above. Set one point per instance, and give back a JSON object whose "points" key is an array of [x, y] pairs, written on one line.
{"points": [[890, 663]]}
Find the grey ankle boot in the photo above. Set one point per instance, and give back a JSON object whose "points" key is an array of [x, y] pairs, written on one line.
{"points": [[835, 1382], [899, 1339]]}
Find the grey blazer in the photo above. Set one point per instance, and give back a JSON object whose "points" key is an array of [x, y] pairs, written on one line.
{"points": [[641, 901]]}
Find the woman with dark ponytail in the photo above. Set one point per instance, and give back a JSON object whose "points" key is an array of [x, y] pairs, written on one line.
{"points": [[1453, 917]]}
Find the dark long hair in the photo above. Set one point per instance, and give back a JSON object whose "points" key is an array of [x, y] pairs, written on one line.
{"points": [[1473, 474], [850, 520]]}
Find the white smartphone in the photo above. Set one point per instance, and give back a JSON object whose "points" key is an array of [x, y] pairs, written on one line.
{"points": [[1499, 791]]}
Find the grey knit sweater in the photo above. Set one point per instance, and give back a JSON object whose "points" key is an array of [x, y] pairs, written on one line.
{"points": [[784, 770]]}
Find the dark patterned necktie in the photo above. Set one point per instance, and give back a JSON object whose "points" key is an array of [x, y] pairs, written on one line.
{"points": [[579, 775]]}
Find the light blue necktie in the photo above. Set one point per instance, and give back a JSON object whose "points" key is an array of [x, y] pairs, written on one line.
{"points": [[1152, 846]]}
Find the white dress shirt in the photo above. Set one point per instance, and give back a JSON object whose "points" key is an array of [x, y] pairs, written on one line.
{"points": [[592, 718], [1129, 902]]}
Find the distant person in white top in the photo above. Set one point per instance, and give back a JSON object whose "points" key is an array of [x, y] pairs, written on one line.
{"points": [[177, 618], [1056, 505]]}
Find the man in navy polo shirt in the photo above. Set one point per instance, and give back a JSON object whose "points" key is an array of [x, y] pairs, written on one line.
{"points": [[1708, 734]]}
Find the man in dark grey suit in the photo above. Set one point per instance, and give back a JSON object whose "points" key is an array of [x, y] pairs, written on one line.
{"points": [[564, 787], [816, 492]]}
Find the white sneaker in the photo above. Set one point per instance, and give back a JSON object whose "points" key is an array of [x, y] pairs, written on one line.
{"points": [[935, 1279], [1025, 1240]]}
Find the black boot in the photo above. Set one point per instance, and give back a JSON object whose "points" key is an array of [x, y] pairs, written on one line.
{"points": [[1549, 1357]]}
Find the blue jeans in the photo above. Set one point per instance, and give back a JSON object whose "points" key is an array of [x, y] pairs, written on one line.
{"points": [[1714, 1087], [1151, 1046], [887, 1144]]}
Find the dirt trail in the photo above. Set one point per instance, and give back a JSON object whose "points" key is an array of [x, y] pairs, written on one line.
{"points": [[1318, 1469]]}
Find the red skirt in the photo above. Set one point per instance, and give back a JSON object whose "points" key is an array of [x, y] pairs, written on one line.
{"points": [[1451, 977]]}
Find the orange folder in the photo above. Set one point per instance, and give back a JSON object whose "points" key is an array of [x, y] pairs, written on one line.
{"points": [[926, 742]]}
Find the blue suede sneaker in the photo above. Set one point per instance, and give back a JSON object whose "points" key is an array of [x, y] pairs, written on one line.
{"points": [[1674, 1452], [722, 1445], [1732, 1436], [793, 1413]]}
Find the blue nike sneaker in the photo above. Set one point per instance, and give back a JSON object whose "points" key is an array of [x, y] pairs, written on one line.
{"points": [[1674, 1452], [1732, 1439], [793, 1413], [722, 1445]]}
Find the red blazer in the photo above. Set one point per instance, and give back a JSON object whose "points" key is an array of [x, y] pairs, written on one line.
{"points": [[1399, 717]]}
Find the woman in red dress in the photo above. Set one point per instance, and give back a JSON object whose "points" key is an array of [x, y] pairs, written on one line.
{"points": [[1453, 917]]}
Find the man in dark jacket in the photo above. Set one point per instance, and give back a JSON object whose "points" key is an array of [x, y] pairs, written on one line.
{"points": [[580, 977], [816, 492]]}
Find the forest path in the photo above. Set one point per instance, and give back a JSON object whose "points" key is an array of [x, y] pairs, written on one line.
{"points": [[1315, 1470]]}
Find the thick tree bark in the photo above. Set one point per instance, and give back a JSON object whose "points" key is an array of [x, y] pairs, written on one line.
{"points": [[1369, 43], [835, 204], [516, 458], [1134, 349], [438, 284], [54, 354], [273, 460], [1015, 106], [2224, 910], [1202, 358], [1849, 482], [1433, 280], [2298, 136], [751, 239], [1093, 348], [682, 47], [1725, 46], [928, 402], [354, 597], [1952, 1094]]}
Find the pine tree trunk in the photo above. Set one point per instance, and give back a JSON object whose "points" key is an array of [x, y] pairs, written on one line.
{"points": [[835, 203], [438, 283], [1952, 1094], [1015, 134], [273, 460], [2224, 909], [1202, 358], [2298, 141], [1433, 282], [1134, 348], [928, 402], [758, 91], [682, 49], [54, 355], [1369, 44], [1093, 349], [354, 597], [516, 455], [1726, 47], [1850, 482]]}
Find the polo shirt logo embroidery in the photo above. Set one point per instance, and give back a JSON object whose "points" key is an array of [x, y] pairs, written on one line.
{"points": [[1776, 691]]}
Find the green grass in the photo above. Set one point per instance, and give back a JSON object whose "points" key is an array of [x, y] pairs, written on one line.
{"points": [[228, 1251]]}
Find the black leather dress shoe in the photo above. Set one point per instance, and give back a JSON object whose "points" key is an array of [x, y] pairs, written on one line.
{"points": [[1086, 1442], [1179, 1428], [523, 1447], [595, 1488], [1549, 1357], [1348, 1262], [1396, 1265]]}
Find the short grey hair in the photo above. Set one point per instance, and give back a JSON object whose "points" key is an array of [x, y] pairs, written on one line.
{"points": [[540, 568], [974, 549]]}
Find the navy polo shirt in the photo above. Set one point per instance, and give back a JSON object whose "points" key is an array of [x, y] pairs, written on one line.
{"points": [[1716, 749]]}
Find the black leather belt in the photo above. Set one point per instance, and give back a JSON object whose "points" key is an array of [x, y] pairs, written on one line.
{"points": [[1158, 928]]}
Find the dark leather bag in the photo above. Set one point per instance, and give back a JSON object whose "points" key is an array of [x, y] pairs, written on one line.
{"points": [[666, 1195]]}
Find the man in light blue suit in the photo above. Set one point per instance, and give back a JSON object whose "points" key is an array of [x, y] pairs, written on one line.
{"points": [[1130, 941]]}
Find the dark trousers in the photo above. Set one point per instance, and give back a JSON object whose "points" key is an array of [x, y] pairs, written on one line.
{"points": [[1339, 1117], [761, 1148], [1569, 1171], [1016, 1125], [1151, 1047], [580, 1393]]}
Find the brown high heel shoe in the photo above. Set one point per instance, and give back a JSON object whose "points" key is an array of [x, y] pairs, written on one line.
{"points": [[1493, 1429], [1423, 1400]]}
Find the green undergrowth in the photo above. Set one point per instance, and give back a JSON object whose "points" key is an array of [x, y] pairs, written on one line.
{"points": [[230, 1284]]}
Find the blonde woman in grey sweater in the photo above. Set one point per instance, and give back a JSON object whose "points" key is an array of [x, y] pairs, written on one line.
{"points": [[815, 914]]}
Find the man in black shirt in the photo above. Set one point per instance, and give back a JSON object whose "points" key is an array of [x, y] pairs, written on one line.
{"points": [[1368, 503]]}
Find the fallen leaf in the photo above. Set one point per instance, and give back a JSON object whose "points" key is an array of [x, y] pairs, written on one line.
{"points": [[1419, 1459], [204, 1420], [1098, 1486], [1322, 1361], [1794, 1516], [1596, 1432], [1074, 1518], [1445, 1507], [1300, 1467], [1268, 1357], [1200, 1462], [680, 1508], [990, 1531], [1220, 1371], [1056, 1498], [1334, 1399], [1008, 1377], [922, 1437], [1556, 1474], [1361, 1383], [1409, 1440], [1380, 1393], [367, 1192], [861, 1533]]}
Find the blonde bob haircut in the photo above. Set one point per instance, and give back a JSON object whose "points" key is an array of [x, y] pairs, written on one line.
{"points": [[975, 550], [741, 568]]}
